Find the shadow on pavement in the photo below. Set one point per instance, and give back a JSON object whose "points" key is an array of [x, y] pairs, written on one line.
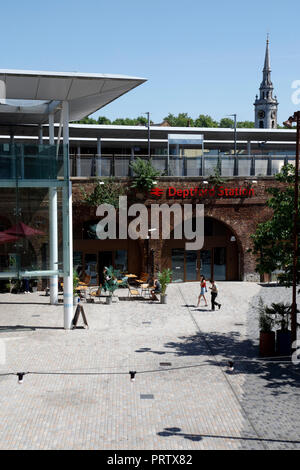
{"points": [[198, 437]]}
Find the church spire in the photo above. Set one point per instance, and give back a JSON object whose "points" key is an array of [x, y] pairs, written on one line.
{"points": [[266, 83], [266, 104]]}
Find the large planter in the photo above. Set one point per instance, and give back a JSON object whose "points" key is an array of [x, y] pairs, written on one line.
{"points": [[163, 298], [267, 344], [109, 300], [283, 342]]}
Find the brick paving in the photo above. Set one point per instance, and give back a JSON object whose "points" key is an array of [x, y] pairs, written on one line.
{"points": [[197, 405]]}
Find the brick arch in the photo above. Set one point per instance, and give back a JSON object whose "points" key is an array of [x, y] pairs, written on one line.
{"points": [[240, 247], [236, 225], [235, 253]]}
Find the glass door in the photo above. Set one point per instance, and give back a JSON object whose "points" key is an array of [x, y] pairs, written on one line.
{"points": [[220, 264], [178, 265], [91, 267], [205, 263], [191, 269], [105, 259]]}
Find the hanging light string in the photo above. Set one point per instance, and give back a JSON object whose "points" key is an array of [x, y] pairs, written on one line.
{"points": [[229, 363]]}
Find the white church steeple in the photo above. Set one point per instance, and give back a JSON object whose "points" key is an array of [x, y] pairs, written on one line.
{"points": [[266, 105]]}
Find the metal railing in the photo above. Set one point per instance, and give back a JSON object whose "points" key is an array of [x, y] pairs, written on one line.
{"points": [[229, 166]]}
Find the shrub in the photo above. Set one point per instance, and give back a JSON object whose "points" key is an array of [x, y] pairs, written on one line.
{"points": [[105, 192], [144, 174]]}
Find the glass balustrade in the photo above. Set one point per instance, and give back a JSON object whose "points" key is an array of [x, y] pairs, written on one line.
{"points": [[178, 166]]}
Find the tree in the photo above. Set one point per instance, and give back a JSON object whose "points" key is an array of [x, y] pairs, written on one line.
{"points": [[142, 121], [86, 120], [273, 239], [226, 122], [103, 120], [181, 120], [245, 124], [205, 121]]}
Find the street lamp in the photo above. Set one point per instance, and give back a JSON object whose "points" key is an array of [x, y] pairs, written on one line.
{"points": [[234, 115], [289, 123], [148, 114], [150, 230]]}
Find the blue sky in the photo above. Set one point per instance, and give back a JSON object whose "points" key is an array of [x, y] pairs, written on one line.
{"points": [[199, 57]]}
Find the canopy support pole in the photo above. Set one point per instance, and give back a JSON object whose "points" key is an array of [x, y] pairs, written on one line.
{"points": [[67, 224], [53, 227], [98, 158]]}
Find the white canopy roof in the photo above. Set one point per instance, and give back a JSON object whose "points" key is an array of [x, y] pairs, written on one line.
{"points": [[86, 93]]}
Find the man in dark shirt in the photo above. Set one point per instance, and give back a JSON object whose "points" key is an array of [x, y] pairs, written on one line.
{"points": [[156, 290]]}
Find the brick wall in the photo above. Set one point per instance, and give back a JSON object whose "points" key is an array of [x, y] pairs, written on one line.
{"points": [[240, 214]]}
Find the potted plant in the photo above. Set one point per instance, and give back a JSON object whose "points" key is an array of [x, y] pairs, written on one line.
{"points": [[75, 285], [164, 278], [144, 176], [266, 334], [282, 313], [111, 283]]}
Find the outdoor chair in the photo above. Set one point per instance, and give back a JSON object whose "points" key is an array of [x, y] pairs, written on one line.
{"points": [[132, 292], [95, 292], [143, 278], [145, 289]]}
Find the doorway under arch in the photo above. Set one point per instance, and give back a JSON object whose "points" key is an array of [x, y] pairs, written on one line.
{"points": [[218, 259]]}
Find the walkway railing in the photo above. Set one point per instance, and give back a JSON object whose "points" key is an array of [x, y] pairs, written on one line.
{"points": [[241, 165]]}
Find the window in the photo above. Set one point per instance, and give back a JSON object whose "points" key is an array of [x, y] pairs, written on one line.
{"points": [[121, 261], [220, 264]]}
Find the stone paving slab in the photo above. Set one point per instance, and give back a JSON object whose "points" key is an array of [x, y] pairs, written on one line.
{"points": [[198, 405]]}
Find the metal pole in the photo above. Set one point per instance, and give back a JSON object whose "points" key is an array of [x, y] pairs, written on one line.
{"points": [[295, 234], [78, 161], [67, 225], [98, 158], [40, 135], [53, 227], [234, 135], [168, 159], [149, 150], [131, 161]]}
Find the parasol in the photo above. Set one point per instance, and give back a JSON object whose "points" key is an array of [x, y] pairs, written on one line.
{"points": [[23, 230]]}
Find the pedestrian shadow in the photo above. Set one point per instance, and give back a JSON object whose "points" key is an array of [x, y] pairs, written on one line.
{"points": [[201, 310], [176, 432], [145, 350]]}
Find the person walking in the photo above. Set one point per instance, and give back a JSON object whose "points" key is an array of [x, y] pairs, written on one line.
{"points": [[203, 289], [214, 293]]}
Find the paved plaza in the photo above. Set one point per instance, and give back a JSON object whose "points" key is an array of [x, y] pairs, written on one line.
{"points": [[192, 403]]}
